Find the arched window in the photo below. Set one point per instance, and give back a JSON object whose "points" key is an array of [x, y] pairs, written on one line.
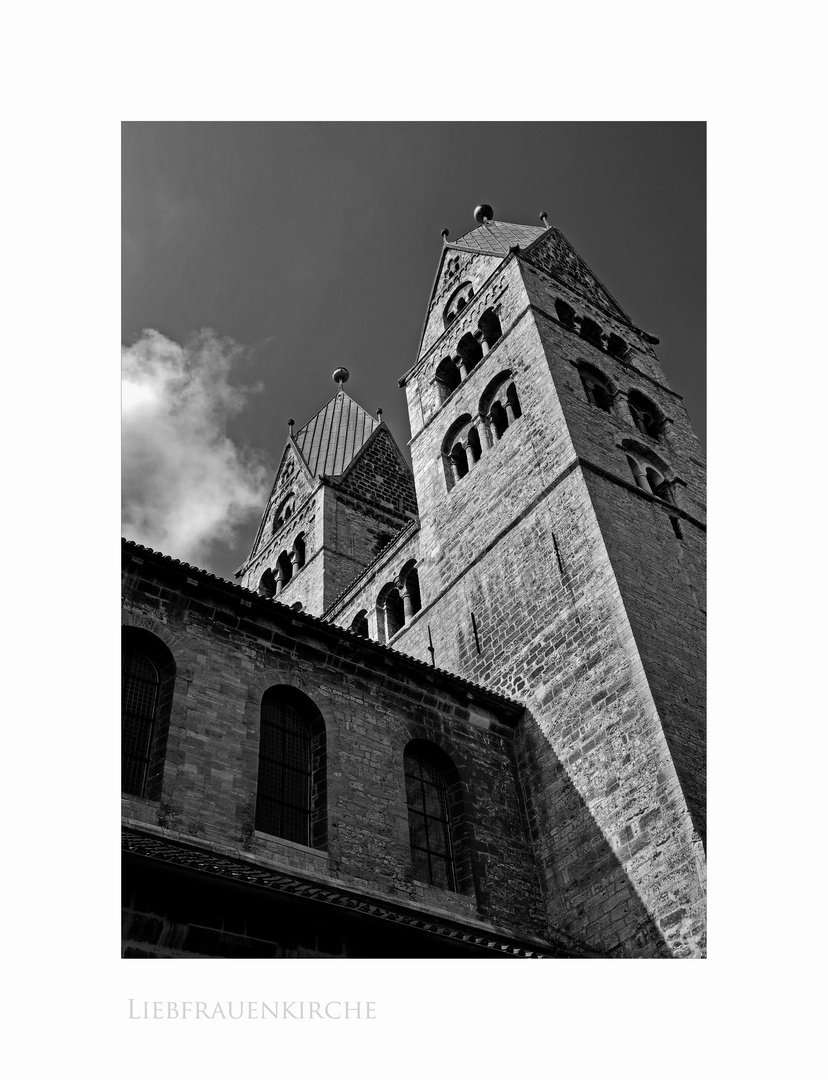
{"points": [[645, 414], [592, 332], [429, 781], [447, 378], [359, 625], [390, 612], [459, 460], [512, 399], [470, 352], [147, 682], [499, 405], [489, 325], [498, 417], [284, 570], [616, 346], [565, 313], [658, 484], [410, 589], [290, 795], [267, 584], [456, 460], [459, 299], [299, 551], [649, 472], [597, 387], [474, 444]]}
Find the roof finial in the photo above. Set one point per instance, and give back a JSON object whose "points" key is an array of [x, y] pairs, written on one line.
{"points": [[542, 216], [483, 213], [290, 426], [379, 415], [340, 376], [445, 235]]}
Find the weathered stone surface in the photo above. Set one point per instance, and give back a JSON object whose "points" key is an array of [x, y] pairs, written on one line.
{"points": [[556, 571]]}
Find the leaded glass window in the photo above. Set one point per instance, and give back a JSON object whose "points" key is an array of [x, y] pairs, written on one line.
{"points": [[283, 803], [140, 682], [429, 821]]}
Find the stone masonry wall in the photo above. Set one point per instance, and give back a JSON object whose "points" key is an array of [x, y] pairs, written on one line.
{"points": [[229, 653], [476, 268], [519, 544], [661, 575]]}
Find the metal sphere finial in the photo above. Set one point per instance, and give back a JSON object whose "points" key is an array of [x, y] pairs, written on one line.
{"points": [[340, 376], [483, 213]]}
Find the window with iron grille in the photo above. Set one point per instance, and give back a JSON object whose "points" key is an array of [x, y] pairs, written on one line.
{"points": [[147, 688], [429, 821], [290, 799], [140, 682]]}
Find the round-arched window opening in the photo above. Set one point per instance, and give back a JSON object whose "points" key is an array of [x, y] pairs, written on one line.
{"points": [[458, 457]]}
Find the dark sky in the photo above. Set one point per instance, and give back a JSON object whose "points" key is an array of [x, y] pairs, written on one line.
{"points": [[315, 245]]}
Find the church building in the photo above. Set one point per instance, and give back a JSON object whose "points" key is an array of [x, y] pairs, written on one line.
{"points": [[452, 709]]}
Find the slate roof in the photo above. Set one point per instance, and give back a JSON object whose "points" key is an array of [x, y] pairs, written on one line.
{"points": [[496, 237], [331, 440]]}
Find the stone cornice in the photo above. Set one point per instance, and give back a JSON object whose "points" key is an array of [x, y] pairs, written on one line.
{"points": [[210, 862]]}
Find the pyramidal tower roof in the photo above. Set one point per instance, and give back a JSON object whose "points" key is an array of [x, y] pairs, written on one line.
{"points": [[497, 237], [331, 440]]}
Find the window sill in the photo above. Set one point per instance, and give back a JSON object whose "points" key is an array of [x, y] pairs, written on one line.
{"points": [[277, 844]]}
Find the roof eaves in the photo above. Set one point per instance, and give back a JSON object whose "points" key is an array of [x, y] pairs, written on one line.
{"points": [[508, 705]]}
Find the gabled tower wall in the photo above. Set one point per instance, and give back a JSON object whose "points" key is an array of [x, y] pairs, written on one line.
{"points": [[546, 575], [341, 517]]}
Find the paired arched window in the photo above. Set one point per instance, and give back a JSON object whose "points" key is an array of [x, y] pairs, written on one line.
{"points": [[649, 472], [147, 681], [470, 348], [398, 602], [359, 624], [590, 330], [645, 414], [597, 387], [500, 406], [434, 801], [290, 794], [462, 447]]}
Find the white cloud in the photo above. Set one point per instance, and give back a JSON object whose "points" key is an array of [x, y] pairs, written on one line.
{"points": [[186, 484]]}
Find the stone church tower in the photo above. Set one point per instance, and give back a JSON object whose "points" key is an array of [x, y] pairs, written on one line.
{"points": [[527, 599], [560, 558]]}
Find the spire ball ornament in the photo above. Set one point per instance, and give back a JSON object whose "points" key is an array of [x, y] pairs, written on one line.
{"points": [[483, 213], [340, 376]]}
